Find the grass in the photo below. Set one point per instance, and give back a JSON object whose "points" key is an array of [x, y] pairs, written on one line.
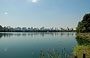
{"points": [[83, 40], [55, 54], [82, 49], [78, 51]]}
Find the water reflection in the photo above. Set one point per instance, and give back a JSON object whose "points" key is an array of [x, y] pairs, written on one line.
{"points": [[5, 35], [32, 34], [82, 41], [23, 44]]}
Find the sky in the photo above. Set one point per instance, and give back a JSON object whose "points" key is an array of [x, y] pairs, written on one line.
{"points": [[43, 13]]}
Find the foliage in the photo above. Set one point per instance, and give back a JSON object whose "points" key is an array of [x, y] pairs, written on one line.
{"points": [[82, 49], [84, 25]]}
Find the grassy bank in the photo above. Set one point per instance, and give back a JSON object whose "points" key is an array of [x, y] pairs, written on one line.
{"points": [[83, 40], [82, 49]]}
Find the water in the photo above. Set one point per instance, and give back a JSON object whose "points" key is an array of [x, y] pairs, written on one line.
{"points": [[29, 44]]}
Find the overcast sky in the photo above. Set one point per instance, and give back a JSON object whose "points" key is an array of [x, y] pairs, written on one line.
{"points": [[38, 13]]}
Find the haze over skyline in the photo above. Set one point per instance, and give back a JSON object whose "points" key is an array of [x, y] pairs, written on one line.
{"points": [[39, 13]]}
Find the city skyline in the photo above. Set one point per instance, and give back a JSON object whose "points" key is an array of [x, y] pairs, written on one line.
{"points": [[33, 29], [42, 13], [40, 28]]}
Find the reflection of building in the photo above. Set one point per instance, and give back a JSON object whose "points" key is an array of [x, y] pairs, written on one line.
{"points": [[37, 34]]}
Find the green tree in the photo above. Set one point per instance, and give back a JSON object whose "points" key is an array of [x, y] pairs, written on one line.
{"points": [[86, 22], [80, 27], [84, 25]]}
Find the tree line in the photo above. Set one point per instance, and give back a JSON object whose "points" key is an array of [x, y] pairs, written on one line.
{"points": [[84, 25]]}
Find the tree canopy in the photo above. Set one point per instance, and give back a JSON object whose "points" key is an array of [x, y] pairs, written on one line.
{"points": [[84, 25]]}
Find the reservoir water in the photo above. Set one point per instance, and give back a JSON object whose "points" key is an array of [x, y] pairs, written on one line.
{"points": [[29, 44]]}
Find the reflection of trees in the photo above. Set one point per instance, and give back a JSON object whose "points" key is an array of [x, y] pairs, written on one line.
{"points": [[62, 34], [82, 41], [5, 35], [0, 35], [32, 34]]}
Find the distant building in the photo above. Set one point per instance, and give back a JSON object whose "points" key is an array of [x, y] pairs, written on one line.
{"points": [[18, 29], [71, 29], [9, 28], [32, 28], [42, 28], [68, 28], [29, 29], [51, 28], [62, 28], [56, 28], [24, 29], [1, 28], [36, 28]]}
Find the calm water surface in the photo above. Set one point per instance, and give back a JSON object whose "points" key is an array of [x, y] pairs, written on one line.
{"points": [[29, 44]]}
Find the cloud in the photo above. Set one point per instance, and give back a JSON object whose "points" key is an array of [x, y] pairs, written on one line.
{"points": [[6, 13], [33, 1]]}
